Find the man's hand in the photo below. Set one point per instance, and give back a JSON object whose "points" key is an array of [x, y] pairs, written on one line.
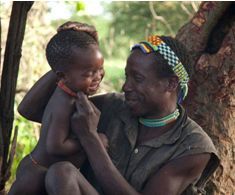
{"points": [[85, 120]]}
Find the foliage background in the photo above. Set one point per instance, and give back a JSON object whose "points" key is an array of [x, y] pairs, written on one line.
{"points": [[120, 25]]}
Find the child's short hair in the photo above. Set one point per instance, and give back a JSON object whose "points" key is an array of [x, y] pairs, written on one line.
{"points": [[59, 50]]}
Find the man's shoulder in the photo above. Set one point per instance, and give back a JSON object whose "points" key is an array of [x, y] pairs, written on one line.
{"points": [[196, 138], [192, 128]]}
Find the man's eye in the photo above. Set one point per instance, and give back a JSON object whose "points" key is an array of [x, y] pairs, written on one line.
{"points": [[138, 78]]}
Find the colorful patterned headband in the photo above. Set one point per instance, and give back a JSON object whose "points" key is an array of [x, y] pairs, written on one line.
{"points": [[155, 44]]}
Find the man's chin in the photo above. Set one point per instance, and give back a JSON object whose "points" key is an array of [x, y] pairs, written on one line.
{"points": [[134, 111]]}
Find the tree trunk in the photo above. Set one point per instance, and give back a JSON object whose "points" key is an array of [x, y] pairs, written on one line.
{"points": [[8, 85], [210, 38]]}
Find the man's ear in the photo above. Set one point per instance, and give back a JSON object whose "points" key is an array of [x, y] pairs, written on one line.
{"points": [[173, 83]]}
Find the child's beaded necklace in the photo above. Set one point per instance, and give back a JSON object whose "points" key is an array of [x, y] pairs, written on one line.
{"points": [[62, 86]]}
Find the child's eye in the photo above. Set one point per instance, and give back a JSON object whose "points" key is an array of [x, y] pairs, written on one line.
{"points": [[88, 74], [101, 70]]}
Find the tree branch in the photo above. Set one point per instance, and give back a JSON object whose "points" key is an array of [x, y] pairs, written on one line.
{"points": [[160, 18], [9, 78], [0, 45], [185, 9], [12, 154], [194, 6]]}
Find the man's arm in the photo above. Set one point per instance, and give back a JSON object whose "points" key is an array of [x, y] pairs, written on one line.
{"points": [[33, 104], [172, 179], [177, 175]]}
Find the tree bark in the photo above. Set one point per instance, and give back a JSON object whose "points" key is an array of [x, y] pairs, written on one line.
{"points": [[210, 38], [8, 84]]}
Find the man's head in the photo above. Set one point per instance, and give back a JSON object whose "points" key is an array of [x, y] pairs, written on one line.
{"points": [[74, 55], [151, 84]]}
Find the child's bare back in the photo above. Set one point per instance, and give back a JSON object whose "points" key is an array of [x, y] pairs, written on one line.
{"points": [[48, 150]]}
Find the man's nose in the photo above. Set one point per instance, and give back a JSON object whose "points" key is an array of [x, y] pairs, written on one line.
{"points": [[126, 86]]}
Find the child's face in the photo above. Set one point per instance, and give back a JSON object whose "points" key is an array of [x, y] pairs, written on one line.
{"points": [[86, 71]]}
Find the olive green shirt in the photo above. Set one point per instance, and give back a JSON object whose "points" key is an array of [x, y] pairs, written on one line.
{"points": [[138, 163]]}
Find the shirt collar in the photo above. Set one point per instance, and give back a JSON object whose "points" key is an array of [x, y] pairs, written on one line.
{"points": [[130, 124]]}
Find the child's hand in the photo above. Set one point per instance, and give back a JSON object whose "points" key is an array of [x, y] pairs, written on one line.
{"points": [[104, 140]]}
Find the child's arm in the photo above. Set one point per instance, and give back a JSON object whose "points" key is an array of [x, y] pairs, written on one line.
{"points": [[59, 140], [33, 104]]}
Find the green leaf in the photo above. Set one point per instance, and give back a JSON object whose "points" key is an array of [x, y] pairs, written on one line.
{"points": [[80, 6]]}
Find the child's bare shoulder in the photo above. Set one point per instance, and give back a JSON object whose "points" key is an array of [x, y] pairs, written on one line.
{"points": [[60, 101]]}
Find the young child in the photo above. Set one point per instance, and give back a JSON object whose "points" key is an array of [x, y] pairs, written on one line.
{"points": [[74, 55]]}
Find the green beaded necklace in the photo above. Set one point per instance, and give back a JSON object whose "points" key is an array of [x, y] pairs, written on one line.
{"points": [[160, 122]]}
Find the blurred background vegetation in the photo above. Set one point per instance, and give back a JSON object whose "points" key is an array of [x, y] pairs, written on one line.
{"points": [[120, 25]]}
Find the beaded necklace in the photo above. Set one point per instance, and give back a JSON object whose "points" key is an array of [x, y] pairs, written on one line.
{"points": [[160, 122], [62, 86]]}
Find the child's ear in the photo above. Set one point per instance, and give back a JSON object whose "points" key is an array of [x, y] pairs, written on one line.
{"points": [[173, 83], [60, 75]]}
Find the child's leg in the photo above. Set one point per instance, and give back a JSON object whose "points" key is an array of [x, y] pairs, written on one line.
{"points": [[64, 178], [26, 186], [29, 179]]}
